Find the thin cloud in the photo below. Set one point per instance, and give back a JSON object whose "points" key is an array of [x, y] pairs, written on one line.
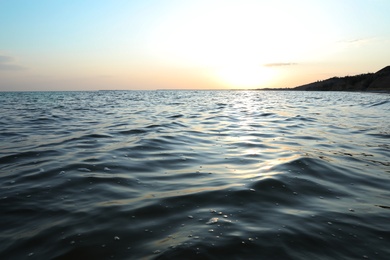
{"points": [[5, 58], [357, 42], [6, 63], [280, 64], [11, 67]]}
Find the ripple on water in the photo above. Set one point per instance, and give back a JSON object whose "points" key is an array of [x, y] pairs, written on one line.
{"points": [[194, 175]]}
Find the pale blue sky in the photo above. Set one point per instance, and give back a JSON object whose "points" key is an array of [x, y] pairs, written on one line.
{"points": [[87, 45]]}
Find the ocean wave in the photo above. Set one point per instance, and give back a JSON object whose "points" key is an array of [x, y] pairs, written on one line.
{"points": [[194, 175]]}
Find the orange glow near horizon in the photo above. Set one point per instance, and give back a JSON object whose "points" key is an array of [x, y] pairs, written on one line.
{"points": [[245, 76], [234, 48]]}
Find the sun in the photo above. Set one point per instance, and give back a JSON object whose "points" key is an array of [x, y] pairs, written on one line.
{"points": [[229, 52], [244, 76]]}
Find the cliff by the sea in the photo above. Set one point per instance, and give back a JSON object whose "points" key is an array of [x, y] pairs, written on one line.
{"points": [[375, 82]]}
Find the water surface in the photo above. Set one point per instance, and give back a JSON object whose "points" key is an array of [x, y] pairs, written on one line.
{"points": [[194, 175]]}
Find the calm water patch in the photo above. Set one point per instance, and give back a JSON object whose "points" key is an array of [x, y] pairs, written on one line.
{"points": [[194, 175]]}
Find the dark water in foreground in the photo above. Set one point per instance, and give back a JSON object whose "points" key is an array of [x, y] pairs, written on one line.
{"points": [[194, 175]]}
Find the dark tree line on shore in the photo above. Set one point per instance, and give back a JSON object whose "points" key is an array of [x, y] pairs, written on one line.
{"points": [[379, 81]]}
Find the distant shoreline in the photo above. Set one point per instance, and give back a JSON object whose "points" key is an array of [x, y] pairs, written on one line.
{"points": [[378, 82], [312, 90]]}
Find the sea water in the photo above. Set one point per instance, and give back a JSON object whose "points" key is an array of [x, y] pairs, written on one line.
{"points": [[194, 175]]}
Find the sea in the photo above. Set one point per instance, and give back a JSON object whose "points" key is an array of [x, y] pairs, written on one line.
{"points": [[194, 175]]}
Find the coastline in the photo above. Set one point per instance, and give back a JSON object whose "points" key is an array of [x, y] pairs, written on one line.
{"points": [[378, 82]]}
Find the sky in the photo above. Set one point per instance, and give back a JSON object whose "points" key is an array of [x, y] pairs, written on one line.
{"points": [[188, 44]]}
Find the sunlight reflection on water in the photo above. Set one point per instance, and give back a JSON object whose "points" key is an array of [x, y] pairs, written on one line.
{"points": [[188, 174]]}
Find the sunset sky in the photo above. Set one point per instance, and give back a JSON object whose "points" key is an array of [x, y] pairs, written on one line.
{"points": [[188, 44]]}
